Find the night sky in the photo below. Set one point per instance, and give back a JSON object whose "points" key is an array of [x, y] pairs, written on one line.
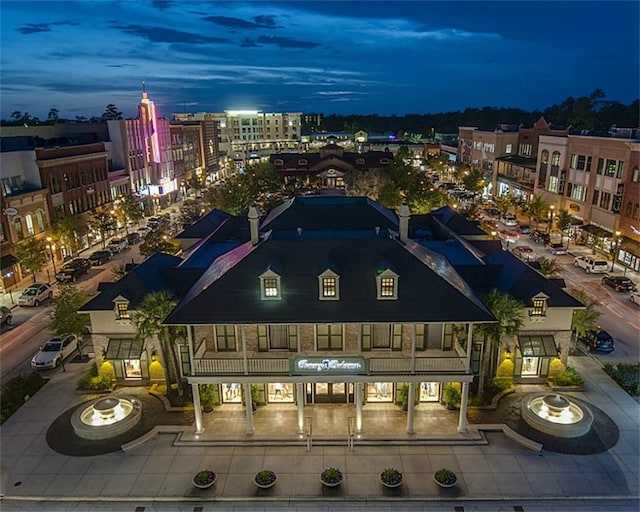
{"points": [[333, 57]]}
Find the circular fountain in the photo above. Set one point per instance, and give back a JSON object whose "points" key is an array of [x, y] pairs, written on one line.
{"points": [[556, 415], [106, 417]]}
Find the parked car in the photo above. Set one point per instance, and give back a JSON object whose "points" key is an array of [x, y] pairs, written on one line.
{"points": [[53, 352], [538, 236], [509, 220], [509, 236], [598, 341], [133, 238], [35, 294], [635, 298], [524, 229], [6, 317], [492, 212], [72, 270], [98, 258], [118, 245], [619, 283], [591, 265], [556, 248], [524, 252]]}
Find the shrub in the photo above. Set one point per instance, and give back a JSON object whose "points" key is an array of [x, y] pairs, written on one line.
{"points": [[265, 477], [451, 394], [626, 375], [15, 390], [570, 377], [446, 476], [95, 380], [391, 476], [331, 476]]}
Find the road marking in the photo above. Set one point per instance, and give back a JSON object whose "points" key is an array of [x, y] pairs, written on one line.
{"points": [[637, 327], [614, 309]]}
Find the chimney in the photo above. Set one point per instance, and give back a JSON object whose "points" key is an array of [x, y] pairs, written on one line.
{"points": [[404, 215], [254, 216]]}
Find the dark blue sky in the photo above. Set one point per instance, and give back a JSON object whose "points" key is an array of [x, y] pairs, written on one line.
{"points": [[361, 57]]}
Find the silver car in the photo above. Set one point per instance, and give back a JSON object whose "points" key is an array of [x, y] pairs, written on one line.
{"points": [[35, 294], [53, 352]]}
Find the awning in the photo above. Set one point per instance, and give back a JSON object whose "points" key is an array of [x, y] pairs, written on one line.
{"points": [[7, 261], [123, 348], [537, 346], [630, 245], [596, 231]]}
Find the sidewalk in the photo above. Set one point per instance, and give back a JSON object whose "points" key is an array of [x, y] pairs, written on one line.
{"points": [[161, 471]]}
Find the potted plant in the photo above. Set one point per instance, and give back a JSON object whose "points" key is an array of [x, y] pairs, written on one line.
{"points": [[391, 477], [265, 478], [331, 477], [208, 397], [445, 478], [451, 396], [204, 479], [403, 395]]}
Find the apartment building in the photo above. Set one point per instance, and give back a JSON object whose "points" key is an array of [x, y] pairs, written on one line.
{"points": [[332, 300]]}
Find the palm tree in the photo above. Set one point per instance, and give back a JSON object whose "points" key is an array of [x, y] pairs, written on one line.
{"points": [[537, 208], [563, 221], [148, 319], [509, 314]]}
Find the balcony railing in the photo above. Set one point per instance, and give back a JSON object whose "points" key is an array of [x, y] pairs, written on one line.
{"points": [[377, 366]]}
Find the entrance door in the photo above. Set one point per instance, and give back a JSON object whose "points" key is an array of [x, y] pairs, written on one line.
{"points": [[327, 392], [530, 366]]}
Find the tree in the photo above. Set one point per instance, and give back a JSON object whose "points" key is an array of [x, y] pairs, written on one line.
{"points": [[132, 209], [103, 222], [537, 208], [53, 114], [190, 211], [563, 221], [509, 314], [148, 318], [364, 183], [156, 241], [503, 203], [549, 267], [68, 230], [111, 113], [584, 319], [474, 180], [65, 318], [390, 195], [31, 253]]}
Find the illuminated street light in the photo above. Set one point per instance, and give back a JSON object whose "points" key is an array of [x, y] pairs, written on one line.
{"points": [[616, 242], [53, 260], [550, 218]]}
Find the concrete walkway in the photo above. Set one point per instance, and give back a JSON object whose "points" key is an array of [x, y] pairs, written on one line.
{"points": [[160, 471]]}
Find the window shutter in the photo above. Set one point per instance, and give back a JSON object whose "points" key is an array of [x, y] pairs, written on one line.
{"points": [[397, 337], [366, 337], [421, 334], [293, 338], [263, 340]]}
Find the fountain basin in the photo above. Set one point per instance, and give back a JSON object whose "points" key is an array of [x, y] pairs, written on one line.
{"points": [[556, 415], [106, 417]]}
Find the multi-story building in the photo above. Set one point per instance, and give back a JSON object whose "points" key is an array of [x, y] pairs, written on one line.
{"points": [[333, 299]]}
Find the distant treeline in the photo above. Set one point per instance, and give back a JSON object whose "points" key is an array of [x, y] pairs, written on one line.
{"points": [[593, 113]]}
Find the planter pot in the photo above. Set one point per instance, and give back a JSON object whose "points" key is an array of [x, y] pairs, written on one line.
{"points": [[207, 409], [331, 477], [266, 485], [204, 485], [452, 483], [392, 480], [391, 486], [330, 484]]}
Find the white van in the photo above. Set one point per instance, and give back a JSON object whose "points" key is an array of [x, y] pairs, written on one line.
{"points": [[591, 265]]}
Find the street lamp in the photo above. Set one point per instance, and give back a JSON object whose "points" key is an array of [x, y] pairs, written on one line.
{"points": [[550, 218], [616, 241], [53, 259]]}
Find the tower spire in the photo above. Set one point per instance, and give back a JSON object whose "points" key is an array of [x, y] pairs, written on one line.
{"points": [[144, 91]]}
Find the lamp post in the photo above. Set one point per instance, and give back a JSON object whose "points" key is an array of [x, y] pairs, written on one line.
{"points": [[53, 259], [550, 218], [616, 241]]}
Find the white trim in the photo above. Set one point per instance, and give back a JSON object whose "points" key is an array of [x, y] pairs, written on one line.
{"points": [[387, 274]]}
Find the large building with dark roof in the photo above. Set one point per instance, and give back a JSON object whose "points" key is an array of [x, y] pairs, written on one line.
{"points": [[333, 299]]}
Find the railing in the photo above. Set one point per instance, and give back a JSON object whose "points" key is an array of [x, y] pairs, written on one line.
{"points": [[377, 365], [309, 431], [351, 431]]}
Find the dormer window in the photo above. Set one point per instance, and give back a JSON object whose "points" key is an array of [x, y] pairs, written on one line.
{"points": [[384, 161], [122, 308], [302, 161], [270, 286], [360, 161], [278, 161], [387, 285], [539, 305], [329, 285]]}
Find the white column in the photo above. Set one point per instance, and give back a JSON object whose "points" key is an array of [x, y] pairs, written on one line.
{"points": [[411, 408], [359, 394], [249, 408], [462, 420], [300, 400], [195, 391]]}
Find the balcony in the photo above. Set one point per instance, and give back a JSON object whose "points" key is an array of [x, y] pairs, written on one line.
{"points": [[378, 366]]}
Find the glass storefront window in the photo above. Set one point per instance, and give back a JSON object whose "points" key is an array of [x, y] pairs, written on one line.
{"points": [[380, 392], [132, 369], [429, 391], [280, 392], [231, 393], [530, 366]]}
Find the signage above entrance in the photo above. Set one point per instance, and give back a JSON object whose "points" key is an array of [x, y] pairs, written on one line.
{"points": [[331, 365]]}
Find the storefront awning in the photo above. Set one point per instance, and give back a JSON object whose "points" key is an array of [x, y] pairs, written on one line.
{"points": [[123, 348], [597, 231], [7, 261], [631, 246], [537, 346]]}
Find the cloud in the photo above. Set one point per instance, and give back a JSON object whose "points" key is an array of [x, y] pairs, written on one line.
{"points": [[281, 42], [34, 28], [167, 35], [262, 21]]}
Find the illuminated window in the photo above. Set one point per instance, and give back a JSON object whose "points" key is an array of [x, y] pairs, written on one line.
{"points": [[122, 310], [329, 285], [508, 149], [387, 285], [28, 219], [270, 286], [539, 303]]}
